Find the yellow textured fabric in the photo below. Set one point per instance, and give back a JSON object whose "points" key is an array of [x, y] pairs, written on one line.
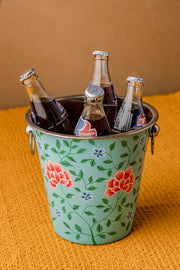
{"points": [[27, 238]]}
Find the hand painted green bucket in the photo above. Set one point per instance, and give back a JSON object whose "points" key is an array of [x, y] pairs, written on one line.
{"points": [[92, 185]]}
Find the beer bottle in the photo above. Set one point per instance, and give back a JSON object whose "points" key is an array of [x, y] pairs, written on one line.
{"points": [[101, 78], [46, 112], [131, 114], [93, 121]]}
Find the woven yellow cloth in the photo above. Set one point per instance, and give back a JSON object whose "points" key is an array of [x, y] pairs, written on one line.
{"points": [[27, 237]]}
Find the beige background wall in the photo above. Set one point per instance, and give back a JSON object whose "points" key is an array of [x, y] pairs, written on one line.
{"points": [[57, 38]]}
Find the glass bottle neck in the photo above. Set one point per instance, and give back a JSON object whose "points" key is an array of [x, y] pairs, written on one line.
{"points": [[35, 89], [134, 93], [101, 72], [93, 110]]}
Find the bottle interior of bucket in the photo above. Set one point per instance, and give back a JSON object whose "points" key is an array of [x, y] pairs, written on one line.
{"points": [[74, 106]]}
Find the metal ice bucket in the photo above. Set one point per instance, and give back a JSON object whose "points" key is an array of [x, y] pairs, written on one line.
{"points": [[92, 184]]}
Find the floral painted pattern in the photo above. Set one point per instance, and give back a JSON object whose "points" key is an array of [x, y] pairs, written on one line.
{"points": [[122, 180], [129, 215], [98, 152], [81, 181], [56, 174], [58, 213], [86, 196]]}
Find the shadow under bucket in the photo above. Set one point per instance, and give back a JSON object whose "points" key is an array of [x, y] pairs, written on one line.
{"points": [[92, 185]]}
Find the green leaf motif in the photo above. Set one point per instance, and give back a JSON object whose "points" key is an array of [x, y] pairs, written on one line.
{"points": [[94, 220], [118, 217], [112, 146], [127, 227], [132, 163], [69, 195], [64, 209], [52, 203], [77, 189], [84, 160], [89, 213], [135, 138], [123, 200], [78, 228], [46, 155], [120, 165], [106, 210], [112, 233], [62, 152], [102, 236], [72, 172], [78, 236], [100, 179], [66, 143], [108, 223], [81, 174], [66, 164], [92, 142], [91, 188], [81, 150], [100, 168], [55, 195], [99, 228], [123, 143], [108, 161], [67, 226], [92, 163], [63, 200], [109, 173], [54, 150], [135, 147], [76, 207], [43, 158], [45, 177], [58, 144], [99, 206], [74, 146], [71, 158], [124, 155], [46, 145], [90, 179], [67, 233], [76, 140], [123, 224], [105, 201], [77, 179]]}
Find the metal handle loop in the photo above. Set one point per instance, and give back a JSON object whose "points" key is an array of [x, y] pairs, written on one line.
{"points": [[154, 132], [32, 142], [28, 130]]}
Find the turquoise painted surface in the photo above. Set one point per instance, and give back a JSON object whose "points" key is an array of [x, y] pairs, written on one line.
{"points": [[92, 185]]}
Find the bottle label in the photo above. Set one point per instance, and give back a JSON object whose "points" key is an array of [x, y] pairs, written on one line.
{"points": [[59, 105], [141, 118], [123, 120], [83, 129], [33, 117]]}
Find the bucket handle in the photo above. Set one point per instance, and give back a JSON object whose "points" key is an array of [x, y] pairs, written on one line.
{"points": [[31, 139], [154, 132]]}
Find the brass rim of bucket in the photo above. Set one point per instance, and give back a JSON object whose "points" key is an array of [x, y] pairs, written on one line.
{"points": [[153, 111]]}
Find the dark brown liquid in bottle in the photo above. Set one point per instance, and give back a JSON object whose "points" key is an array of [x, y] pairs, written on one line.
{"points": [[101, 126], [109, 104], [130, 119], [50, 117]]}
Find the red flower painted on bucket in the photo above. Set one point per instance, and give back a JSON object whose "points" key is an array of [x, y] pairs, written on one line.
{"points": [[122, 180], [56, 174]]}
